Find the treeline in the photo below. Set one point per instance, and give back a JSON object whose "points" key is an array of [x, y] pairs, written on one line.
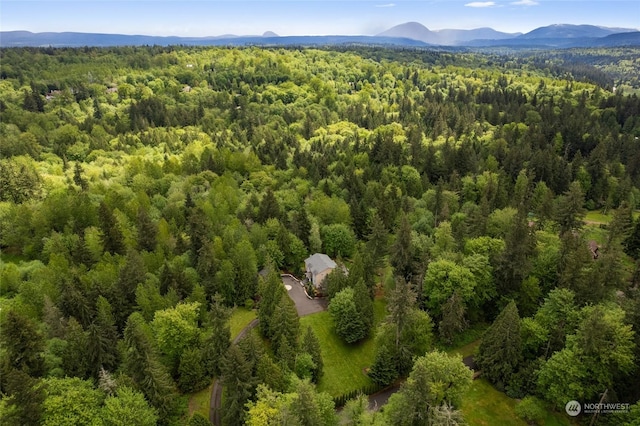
{"points": [[144, 188]]}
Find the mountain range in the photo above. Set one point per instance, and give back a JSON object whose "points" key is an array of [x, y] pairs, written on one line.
{"points": [[411, 34]]}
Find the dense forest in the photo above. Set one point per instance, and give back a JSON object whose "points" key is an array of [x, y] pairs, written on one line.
{"points": [[143, 189]]}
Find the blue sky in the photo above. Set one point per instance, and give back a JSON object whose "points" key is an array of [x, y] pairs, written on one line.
{"points": [[296, 17]]}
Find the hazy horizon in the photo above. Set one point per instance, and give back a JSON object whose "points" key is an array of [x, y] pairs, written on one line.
{"points": [[202, 18]]}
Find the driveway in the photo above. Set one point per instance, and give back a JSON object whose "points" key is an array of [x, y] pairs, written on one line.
{"points": [[304, 305]]}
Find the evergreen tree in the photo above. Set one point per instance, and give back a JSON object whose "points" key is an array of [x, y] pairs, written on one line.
{"points": [[237, 379], [74, 360], [335, 282], [147, 230], [124, 298], [112, 237], [500, 351], [453, 321], [78, 177], [301, 225], [103, 338], [269, 207], [284, 326], [206, 268], [402, 251], [311, 345], [142, 364], [218, 342], [271, 291], [569, 209], [514, 261], [22, 344], [364, 304], [377, 240], [24, 398]]}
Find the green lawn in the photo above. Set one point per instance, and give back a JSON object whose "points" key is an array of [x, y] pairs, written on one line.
{"points": [[344, 364], [597, 216], [484, 405], [199, 402], [240, 318]]}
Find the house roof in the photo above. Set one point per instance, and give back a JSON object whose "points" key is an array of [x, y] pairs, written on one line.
{"points": [[318, 262]]}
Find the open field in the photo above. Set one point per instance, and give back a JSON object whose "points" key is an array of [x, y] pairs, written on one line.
{"points": [[344, 364]]}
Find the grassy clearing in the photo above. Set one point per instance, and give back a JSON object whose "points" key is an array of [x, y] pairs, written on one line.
{"points": [[344, 364], [483, 405], [199, 402], [596, 216], [240, 318]]}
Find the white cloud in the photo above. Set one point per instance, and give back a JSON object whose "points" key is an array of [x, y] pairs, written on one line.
{"points": [[386, 5], [525, 3], [481, 4]]}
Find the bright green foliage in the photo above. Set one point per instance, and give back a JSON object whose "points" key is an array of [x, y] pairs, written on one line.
{"points": [[348, 321], [127, 407], [304, 366], [176, 329], [436, 379], [312, 408], [337, 240], [442, 278], [600, 351], [70, 401], [501, 349], [531, 410]]}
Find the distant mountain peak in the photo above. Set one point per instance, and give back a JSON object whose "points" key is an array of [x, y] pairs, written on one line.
{"points": [[270, 34], [412, 30]]}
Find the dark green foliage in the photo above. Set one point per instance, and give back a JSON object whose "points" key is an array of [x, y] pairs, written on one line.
{"points": [[500, 351], [311, 345], [112, 237], [335, 282], [383, 370], [284, 328], [24, 399], [198, 420], [271, 291], [124, 298], [453, 318], [142, 364], [22, 344], [147, 230], [237, 379], [269, 207], [74, 360], [402, 251], [191, 372], [217, 343]]}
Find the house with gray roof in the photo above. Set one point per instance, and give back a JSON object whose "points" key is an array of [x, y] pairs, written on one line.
{"points": [[317, 267]]}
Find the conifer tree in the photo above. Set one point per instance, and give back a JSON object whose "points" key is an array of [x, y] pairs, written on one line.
{"points": [[102, 339], [22, 344], [402, 251], [271, 291], [147, 230], [500, 351], [142, 364], [311, 345], [218, 342], [112, 237], [237, 379], [269, 207], [284, 331]]}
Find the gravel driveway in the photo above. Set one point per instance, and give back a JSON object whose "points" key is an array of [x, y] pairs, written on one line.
{"points": [[304, 305]]}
